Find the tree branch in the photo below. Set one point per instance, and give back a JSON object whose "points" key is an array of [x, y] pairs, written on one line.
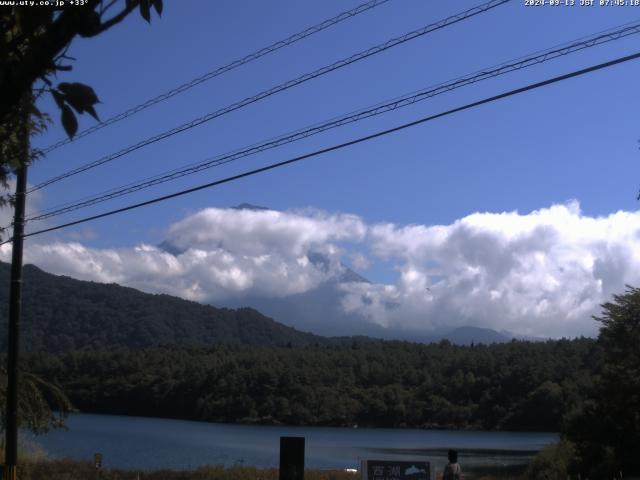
{"points": [[36, 62], [106, 8], [117, 18]]}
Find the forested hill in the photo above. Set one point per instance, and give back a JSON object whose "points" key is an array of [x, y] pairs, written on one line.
{"points": [[61, 314], [516, 385]]}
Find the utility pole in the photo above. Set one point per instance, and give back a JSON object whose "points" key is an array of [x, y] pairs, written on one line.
{"points": [[15, 307]]}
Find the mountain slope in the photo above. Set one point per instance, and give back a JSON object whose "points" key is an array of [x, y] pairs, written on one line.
{"points": [[468, 334], [61, 313]]}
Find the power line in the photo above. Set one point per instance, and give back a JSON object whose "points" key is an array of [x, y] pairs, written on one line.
{"points": [[399, 102], [537, 57], [342, 145], [279, 88], [220, 70]]}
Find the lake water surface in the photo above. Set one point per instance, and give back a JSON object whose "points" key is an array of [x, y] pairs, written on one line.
{"points": [[146, 443]]}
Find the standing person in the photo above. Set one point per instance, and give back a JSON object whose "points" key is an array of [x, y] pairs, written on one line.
{"points": [[452, 471]]}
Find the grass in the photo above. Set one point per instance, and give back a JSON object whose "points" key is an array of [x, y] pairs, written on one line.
{"points": [[33, 464], [66, 469]]}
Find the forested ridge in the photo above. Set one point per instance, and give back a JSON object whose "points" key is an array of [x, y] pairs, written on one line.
{"points": [[518, 385], [61, 313]]}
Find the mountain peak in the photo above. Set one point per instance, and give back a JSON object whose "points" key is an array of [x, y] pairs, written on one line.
{"points": [[249, 206], [169, 247]]}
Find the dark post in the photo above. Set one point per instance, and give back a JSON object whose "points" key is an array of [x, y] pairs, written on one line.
{"points": [[15, 304], [291, 458], [97, 458]]}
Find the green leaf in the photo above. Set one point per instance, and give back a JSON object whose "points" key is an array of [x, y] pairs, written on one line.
{"points": [[36, 18], [89, 25], [157, 4], [37, 114], [79, 90], [80, 96], [58, 97], [69, 121], [145, 10], [92, 111]]}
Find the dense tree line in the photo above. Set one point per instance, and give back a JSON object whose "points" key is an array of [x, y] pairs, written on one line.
{"points": [[518, 385], [604, 431], [601, 433]]}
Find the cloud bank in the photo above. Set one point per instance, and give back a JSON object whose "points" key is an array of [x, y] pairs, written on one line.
{"points": [[542, 273]]}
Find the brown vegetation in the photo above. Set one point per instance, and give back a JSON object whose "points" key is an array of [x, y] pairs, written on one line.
{"points": [[75, 470]]}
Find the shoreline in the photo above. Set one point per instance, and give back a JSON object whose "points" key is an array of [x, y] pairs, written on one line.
{"points": [[426, 427]]}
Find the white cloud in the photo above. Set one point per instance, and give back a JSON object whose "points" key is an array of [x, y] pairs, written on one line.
{"points": [[225, 253], [359, 261], [543, 273], [262, 232]]}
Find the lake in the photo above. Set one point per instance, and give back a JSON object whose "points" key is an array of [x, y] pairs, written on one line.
{"points": [[146, 443]]}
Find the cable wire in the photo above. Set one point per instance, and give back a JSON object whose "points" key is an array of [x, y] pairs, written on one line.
{"points": [[279, 88], [220, 70], [340, 146], [399, 102]]}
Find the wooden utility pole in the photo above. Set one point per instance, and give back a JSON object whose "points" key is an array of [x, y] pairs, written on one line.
{"points": [[15, 307]]}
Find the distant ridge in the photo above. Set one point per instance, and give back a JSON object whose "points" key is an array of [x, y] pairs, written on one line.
{"points": [[61, 313], [467, 335]]}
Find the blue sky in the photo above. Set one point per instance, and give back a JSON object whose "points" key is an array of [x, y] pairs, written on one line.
{"points": [[573, 141]]}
